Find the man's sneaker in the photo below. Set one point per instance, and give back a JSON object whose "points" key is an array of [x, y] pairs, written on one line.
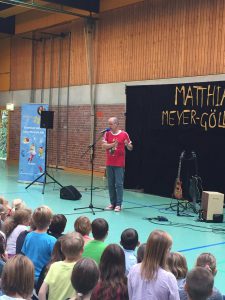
{"points": [[110, 207], [117, 208]]}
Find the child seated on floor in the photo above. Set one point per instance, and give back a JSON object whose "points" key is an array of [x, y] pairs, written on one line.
{"points": [[13, 226], [199, 284], [208, 261], [141, 252], [84, 278], [38, 245], [95, 248], [57, 225], [113, 281], [17, 278], [129, 241], [177, 265], [83, 226], [57, 283]]}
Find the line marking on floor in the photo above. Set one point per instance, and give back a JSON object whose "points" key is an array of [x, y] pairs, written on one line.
{"points": [[200, 247]]}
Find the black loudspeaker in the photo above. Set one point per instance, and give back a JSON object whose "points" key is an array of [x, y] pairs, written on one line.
{"points": [[70, 193], [47, 118]]}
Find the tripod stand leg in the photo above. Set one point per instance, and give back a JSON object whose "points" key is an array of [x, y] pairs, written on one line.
{"points": [[44, 183], [34, 181]]}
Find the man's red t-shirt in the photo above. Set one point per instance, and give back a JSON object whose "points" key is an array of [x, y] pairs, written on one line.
{"points": [[116, 157]]}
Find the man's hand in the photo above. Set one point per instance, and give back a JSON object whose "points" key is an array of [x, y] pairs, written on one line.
{"points": [[128, 145]]}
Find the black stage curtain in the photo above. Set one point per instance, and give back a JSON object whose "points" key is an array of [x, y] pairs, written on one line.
{"points": [[164, 120]]}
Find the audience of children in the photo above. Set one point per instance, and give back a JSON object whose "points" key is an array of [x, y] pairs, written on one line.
{"points": [[13, 226], [94, 249], [38, 245], [113, 282], [84, 278], [57, 282], [57, 225], [155, 273], [150, 279], [83, 226], [199, 284], [129, 241], [17, 280]]}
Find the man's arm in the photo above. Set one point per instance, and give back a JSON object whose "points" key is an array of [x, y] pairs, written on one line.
{"points": [[107, 146], [128, 145]]}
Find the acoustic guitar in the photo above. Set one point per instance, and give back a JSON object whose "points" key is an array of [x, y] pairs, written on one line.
{"points": [[177, 192]]}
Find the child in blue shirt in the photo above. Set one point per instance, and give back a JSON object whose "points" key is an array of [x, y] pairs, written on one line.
{"points": [[129, 241], [38, 245]]}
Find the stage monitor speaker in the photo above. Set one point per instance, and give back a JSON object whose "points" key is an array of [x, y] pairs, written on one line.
{"points": [[47, 118], [70, 193], [212, 204]]}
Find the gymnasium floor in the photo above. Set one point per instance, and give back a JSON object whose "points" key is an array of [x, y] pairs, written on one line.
{"points": [[189, 235]]}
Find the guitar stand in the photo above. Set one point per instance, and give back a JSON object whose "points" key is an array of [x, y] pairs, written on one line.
{"points": [[182, 205]]}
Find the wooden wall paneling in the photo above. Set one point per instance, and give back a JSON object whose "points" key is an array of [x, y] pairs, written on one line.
{"points": [[147, 40], [220, 40], [21, 63]]}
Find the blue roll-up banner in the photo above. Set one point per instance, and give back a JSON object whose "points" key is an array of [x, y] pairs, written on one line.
{"points": [[32, 143]]}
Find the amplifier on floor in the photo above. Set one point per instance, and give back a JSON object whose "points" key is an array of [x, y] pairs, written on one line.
{"points": [[70, 193]]}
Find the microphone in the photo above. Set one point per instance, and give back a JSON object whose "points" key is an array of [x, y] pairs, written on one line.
{"points": [[105, 130]]}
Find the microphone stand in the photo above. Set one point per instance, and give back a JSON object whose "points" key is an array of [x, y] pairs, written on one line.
{"points": [[92, 149]]}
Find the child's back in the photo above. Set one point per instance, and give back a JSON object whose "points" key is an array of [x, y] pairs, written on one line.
{"points": [[57, 282], [38, 245], [129, 241]]}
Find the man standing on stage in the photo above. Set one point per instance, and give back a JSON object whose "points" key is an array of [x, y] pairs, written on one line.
{"points": [[114, 142]]}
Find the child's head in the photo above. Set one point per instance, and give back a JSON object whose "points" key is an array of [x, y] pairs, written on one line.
{"points": [[85, 276], [72, 245], [199, 284], [177, 265], [82, 225], [42, 217], [129, 239], [58, 224], [141, 252], [20, 217], [18, 277], [100, 229], [112, 263], [208, 261], [18, 204], [157, 249]]}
